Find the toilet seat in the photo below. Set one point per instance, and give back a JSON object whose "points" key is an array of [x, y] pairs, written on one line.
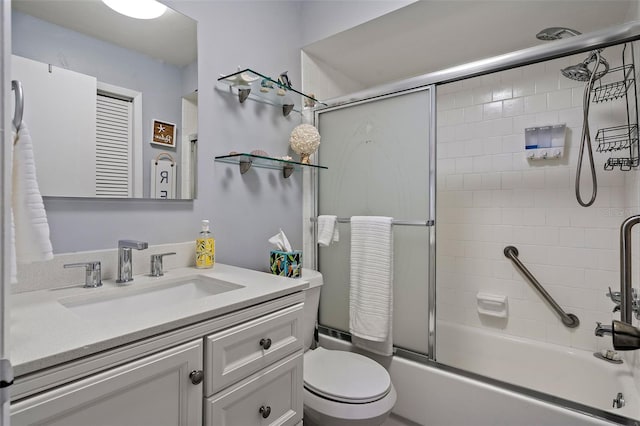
{"points": [[345, 377]]}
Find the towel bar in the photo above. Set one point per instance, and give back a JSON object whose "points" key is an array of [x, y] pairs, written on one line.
{"points": [[395, 222]]}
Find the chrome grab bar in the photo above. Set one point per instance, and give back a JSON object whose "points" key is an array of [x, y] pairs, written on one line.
{"points": [[569, 320], [626, 299], [16, 86], [394, 222]]}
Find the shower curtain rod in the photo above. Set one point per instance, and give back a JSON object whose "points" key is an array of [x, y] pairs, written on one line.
{"points": [[394, 222]]}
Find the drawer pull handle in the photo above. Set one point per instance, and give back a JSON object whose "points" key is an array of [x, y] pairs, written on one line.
{"points": [[265, 344], [265, 411], [196, 376]]}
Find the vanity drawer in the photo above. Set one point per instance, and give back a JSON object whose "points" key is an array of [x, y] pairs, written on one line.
{"points": [[272, 397], [237, 352]]}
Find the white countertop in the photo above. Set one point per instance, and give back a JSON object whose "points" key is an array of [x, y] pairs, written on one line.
{"points": [[45, 333]]}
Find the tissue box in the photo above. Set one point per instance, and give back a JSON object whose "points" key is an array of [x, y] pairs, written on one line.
{"points": [[286, 263]]}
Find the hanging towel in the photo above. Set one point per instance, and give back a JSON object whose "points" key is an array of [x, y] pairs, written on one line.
{"points": [[30, 226], [371, 286], [328, 230]]}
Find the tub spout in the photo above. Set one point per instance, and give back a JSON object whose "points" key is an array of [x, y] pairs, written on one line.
{"points": [[625, 336]]}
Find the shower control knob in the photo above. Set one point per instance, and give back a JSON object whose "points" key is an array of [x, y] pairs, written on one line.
{"points": [[265, 411], [557, 153], [544, 154], [265, 343]]}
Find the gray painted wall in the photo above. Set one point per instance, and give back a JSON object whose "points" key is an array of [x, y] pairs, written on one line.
{"points": [[245, 210], [162, 85]]}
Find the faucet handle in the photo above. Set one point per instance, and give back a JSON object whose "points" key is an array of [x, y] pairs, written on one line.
{"points": [[614, 296], [93, 272], [156, 263]]}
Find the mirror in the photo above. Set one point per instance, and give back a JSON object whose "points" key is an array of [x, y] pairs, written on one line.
{"points": [[110, 102]]}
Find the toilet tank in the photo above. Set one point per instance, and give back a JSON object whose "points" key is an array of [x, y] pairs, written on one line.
{"points": [[311, 302]]}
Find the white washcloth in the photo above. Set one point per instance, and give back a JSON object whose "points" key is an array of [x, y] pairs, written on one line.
{"points": [[371, 287], [30, 226], [328, 230]]}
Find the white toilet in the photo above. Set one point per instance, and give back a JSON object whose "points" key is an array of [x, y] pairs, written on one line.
{"points": [[340, 388]]}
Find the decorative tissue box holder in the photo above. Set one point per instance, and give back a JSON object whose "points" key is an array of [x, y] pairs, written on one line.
{"points": [[286, 263]]}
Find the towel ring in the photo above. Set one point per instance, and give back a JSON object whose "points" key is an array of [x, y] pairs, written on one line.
{"points": [[165, 154], [16, 86]]}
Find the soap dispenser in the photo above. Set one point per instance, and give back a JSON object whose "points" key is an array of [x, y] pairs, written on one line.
{"points": [[205, 248]]}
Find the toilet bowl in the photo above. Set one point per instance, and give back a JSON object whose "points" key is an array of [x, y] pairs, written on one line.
{"points": [[340, 388]]}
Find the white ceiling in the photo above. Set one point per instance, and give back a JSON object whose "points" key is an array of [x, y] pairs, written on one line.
{"points": [[171, 37], [431, 35]]}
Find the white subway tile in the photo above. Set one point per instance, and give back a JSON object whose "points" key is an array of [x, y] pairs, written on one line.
{"points": [[523, 198], [512, 143], [503, 198], [558, 177], [473, 113], [445, 134], [464, 165], [535, 103], [491, 181], [504, 91], [482, 95], [453, 182], [513, 107], [451, 117], [482, 199], [473, 181], [546, 118], [446, 166], [464, 132], [558, 216], [445, 101], [559, 99], [524, 88], [534, 216], [572, 237], [598, 238], [492, 110], [463, 98], [482, 164], [502, 162], [511, 180], [546, 83], [533, 179], [522, 122], [492, 145], [572, 117]]}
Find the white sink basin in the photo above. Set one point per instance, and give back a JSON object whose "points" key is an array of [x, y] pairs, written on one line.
{"points": [[134, 300]]}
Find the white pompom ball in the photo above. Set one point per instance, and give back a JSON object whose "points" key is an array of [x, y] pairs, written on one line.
{"points": [[304, 140]]}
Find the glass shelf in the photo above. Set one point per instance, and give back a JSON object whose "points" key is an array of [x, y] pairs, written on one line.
{"points": [[248, 83], [245, 161]]}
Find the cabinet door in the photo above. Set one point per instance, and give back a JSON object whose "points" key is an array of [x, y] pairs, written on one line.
{"points": [[271, 397], [155, 390], [235, 353]]}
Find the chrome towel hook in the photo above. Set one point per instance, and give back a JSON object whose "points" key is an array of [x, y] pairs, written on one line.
{"points": [[16, 86]]}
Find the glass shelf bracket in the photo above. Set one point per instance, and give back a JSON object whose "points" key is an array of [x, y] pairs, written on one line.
{"points": [[248, 82], [245, 161]]}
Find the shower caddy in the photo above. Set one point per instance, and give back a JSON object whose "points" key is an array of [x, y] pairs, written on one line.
{"points": [[622, 138]]}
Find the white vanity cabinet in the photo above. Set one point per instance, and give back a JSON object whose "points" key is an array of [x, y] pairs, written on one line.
{"points": [[155, 390], [243, 368], [254, 372]]}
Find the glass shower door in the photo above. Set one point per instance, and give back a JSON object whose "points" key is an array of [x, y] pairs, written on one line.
{"points": [[377, 152]]}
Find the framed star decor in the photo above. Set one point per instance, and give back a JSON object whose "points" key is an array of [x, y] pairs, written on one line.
{"points": [[164, 133]]}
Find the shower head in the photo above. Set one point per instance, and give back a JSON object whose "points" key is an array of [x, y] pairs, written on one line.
{"points": [[556, 33], [581, 71]]}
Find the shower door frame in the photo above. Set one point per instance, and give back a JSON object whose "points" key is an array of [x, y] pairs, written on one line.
{"points": [[431, 272], [564, 47]]}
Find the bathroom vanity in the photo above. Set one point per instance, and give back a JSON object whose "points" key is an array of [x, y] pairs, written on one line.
{"points": [[181, 356]]}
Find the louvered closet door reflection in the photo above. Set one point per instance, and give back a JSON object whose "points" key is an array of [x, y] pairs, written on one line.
{"points": [[113, 147]]}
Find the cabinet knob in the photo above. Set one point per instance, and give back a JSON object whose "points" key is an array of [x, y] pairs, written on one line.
{"points": [[265, 411], [265, 343], [196, 376]]}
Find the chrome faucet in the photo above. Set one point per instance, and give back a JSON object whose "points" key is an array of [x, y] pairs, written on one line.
{"points": [[626, 299], [624, 335], [125, 268]]}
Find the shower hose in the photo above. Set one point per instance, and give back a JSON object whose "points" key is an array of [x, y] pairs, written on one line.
{"points": [[585, 139]]}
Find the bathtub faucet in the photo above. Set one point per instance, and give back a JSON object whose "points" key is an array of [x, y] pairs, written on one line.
{"points": [[624, 335]]}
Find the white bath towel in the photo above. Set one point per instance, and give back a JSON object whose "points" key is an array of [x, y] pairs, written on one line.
{"points": [[371, 286], [328, 230], [30, 225]]}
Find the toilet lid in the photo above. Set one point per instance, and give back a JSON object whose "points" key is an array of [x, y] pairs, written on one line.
{"points": [[345, 376]]}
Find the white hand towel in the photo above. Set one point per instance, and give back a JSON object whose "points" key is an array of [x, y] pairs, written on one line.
{"points": [[371, 287], [328, 230], [30, 225]]}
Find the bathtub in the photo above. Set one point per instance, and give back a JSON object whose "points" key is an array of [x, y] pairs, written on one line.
{"points": [[545, 384]]}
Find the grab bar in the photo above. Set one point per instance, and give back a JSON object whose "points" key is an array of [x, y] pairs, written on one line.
{"points": [[16, 86], [569, 320]]}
